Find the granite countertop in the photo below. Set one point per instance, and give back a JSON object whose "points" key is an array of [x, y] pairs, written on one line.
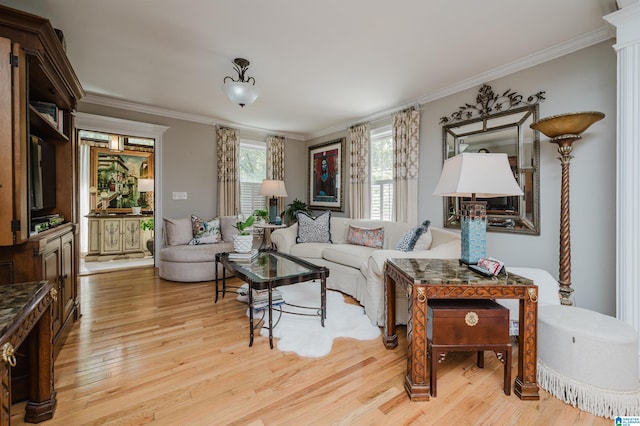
{"points": [[449, 271], [14, 298]]}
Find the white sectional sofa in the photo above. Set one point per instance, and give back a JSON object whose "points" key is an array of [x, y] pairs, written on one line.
{"points": [[358, 270]]}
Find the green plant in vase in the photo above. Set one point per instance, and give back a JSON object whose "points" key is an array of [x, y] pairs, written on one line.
{"points": [[261, 214], [293, 208], [148, 225], [243, 241]]}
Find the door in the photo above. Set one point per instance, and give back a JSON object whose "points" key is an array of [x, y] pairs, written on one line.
{"points": [[13, 145], [111, 236]]}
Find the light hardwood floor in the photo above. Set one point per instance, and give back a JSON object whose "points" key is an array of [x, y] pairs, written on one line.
{"points": [[152, 351]]}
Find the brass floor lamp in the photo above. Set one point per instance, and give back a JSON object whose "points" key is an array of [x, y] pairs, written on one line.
{"points": [[563, 130]]}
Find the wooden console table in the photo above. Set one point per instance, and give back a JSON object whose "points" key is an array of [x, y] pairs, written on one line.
{"points": [[425, 279], [25, 307]]}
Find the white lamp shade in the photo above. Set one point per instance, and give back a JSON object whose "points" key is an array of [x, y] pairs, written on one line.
{"points": [[145, 185], [484, 175], [273, 188], [240, 93]]}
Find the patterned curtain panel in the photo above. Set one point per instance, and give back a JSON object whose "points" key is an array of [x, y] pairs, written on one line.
{"points": [[359, 202], [275, 163], [275, 157], [406, 143], [228, 147]]}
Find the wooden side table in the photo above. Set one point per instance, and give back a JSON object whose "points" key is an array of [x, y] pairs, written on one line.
{"points": [[267, 228], [425, 279]]}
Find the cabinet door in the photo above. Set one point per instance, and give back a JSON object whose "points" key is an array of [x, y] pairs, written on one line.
{"points": [[51, 265], [111, 236], [67, 284], [13, 145], [94, 236], [131, 234]]}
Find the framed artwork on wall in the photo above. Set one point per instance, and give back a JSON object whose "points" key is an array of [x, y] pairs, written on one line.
{"points": [[115, 178], [326, 173]]}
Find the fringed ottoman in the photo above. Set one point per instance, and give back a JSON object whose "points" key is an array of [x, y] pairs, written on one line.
{"points": [[588, 360]]}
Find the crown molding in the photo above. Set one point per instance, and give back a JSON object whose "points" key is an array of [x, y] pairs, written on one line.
{"points": [[601, 34], [95, 99]]}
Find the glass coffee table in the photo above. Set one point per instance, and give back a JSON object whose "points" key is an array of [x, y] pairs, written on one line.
{"points": [[268, 270]]}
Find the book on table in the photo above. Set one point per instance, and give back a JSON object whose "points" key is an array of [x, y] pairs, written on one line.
{"points": [[235, 256], [261, 298]]}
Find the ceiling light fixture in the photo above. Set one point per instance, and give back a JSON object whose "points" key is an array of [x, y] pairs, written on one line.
{"points": [[241, 91]]}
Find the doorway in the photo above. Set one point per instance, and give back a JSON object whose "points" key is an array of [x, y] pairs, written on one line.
{"points": [[118, 176]]}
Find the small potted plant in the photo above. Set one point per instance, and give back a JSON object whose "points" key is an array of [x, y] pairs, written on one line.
{"points": [[147, 225], [262, 215], [243, 241], [293, 208]]}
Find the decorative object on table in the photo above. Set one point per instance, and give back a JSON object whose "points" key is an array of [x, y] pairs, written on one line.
{"points": [[146, 188], [563, 130], [499, 122], [136, 210], [241, 90], [273, 188], [292, 210], [262, 215], [326, 175], [476, 175], [243, 241], [148, 225], [304, 335]]}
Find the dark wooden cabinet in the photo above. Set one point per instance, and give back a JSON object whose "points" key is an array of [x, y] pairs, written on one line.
{"points": [[39, 175]]}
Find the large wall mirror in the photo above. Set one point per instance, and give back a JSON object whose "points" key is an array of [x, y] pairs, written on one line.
{"points": [[499, 123]]}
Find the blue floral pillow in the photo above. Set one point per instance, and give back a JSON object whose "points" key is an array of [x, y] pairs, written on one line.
{"points": [[314, 230], [408, 241], [205, 231]]}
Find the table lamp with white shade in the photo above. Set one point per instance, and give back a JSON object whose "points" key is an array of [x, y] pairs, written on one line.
{"points": [[273, 188], [472, 175], [145, 186]]}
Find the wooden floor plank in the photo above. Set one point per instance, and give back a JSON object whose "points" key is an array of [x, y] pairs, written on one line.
{"points": [[149, 351]]}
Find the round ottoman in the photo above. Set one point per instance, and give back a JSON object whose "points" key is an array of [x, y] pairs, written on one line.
{"points": [[588, 360]]}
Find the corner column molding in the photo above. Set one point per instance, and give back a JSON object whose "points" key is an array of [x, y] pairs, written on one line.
{"points": [[627, 24]]}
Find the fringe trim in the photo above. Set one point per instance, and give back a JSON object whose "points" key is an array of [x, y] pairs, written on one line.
{"points": [[596, 400]]}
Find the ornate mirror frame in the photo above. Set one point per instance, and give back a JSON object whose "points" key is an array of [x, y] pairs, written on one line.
{"points": [[499, 123]]}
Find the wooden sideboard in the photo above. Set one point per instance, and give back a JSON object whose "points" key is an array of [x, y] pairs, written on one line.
{"points": [[113, 236]]}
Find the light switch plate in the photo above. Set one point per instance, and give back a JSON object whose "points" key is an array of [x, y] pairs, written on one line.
{"points": [[179, 195]]}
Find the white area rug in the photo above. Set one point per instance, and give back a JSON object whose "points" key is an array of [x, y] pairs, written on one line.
{"points": [[305, 335]]}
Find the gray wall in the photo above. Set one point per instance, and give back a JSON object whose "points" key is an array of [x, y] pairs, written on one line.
{"points": [[582, 81]]}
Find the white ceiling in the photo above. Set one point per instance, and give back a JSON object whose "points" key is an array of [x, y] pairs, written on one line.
{"points": [[319, 65]]}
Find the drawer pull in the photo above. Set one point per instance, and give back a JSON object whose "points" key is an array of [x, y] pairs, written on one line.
{"points": [[471, 318], [8, 354], [421, 295], [54, 294], [533, 296]]}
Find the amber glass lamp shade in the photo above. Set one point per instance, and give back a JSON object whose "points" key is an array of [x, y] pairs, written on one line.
{"points": [[567, 124]]}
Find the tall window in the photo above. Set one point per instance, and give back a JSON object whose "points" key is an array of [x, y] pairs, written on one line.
{"points": [[381, 173], [253, 170]]}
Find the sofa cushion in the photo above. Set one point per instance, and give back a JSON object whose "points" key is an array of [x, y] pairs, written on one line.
{"points": [[194, 253], [177, 231], [205, 231], [410, 239], [368, 237], [309, 250], [314, 230], [425, 241], [347, 254]]}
